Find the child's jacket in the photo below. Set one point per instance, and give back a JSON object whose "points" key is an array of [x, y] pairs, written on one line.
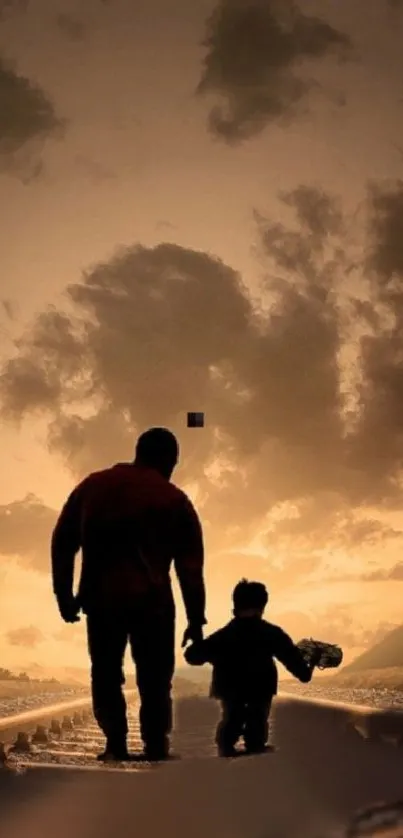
{"points": [[242, 654]]}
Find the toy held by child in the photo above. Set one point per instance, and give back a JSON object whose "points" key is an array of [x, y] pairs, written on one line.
{"points": [[245, 676], [330, 655]]}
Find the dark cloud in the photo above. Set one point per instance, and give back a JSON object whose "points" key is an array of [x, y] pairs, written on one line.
{"points": [[370, 450], [253, 63], [154, 331], [28, 636], [9, 7], [9, 309], [308, 543], [38, 391], [70, 26], [25, 531], [367, 531], [27, 119], [332, 526], [394, 573], [378, 441], [336, 624], [332, 625], [385, 227], [153, 304]]}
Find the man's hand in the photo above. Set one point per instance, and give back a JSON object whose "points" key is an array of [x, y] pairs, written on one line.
{"points": [[70, 610], [192, 634]]}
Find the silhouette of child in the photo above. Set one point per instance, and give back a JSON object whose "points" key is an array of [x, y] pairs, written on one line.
{"points": [[244, 673]]}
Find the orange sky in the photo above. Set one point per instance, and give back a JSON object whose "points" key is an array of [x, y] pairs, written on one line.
{"points": [[137, 164]]}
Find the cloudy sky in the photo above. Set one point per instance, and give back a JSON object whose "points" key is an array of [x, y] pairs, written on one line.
{"points": [[202, 210]]}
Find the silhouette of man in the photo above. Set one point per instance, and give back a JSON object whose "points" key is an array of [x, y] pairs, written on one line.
{"points": [[130, 522]]}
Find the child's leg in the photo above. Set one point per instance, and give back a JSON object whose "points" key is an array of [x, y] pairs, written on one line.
{"points": [[230, 727], [256, 730]]}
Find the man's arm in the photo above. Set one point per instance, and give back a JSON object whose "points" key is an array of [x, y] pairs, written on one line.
{"points": [[65, 543], [189, 563], [290, 656]]}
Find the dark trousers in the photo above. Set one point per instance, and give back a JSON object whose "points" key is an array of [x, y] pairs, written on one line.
{"points": [[249, 719], [152, 642]]}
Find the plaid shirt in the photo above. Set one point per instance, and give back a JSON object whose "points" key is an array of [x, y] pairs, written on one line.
{"points": [[130, 523]]}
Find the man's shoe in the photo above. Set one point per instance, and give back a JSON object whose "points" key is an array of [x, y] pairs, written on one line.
{"points": [[153, 755], [157, 752], [114, 753]]}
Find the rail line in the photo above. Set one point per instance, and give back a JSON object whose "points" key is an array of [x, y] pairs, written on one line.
{"points": [[65, 734]]}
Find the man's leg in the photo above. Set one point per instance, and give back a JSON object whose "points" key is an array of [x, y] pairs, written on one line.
{"points": [[107, 640], [256, 730], [230, 727], [152, 640]]}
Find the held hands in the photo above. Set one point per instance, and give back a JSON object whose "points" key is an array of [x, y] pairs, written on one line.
{"points": [[192, 634]]}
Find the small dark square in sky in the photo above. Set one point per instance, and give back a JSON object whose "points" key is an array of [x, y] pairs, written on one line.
{"points": [[195, 420]]}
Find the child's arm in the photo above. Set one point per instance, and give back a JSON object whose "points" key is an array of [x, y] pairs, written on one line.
{"points": [[290, 656]]}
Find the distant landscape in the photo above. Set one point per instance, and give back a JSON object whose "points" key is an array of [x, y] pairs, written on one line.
{"points": [[390, 678], [13, 685], [379, 667]]}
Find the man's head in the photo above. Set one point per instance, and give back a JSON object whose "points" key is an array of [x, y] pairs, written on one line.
{"points": [[249, 598], [158, 448]]}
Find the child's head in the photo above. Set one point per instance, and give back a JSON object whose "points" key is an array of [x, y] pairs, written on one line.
{"points": [[249, 598]]}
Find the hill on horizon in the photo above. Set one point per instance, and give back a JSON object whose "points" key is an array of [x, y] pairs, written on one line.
{"points": [[388, 652]]}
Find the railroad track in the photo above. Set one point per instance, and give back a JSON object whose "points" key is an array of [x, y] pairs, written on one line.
{"points": [[64, 735]]}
